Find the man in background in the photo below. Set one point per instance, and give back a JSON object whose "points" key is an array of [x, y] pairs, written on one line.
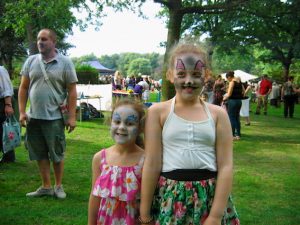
{"points": [[264, 89], [289, 95], [44, 124]]}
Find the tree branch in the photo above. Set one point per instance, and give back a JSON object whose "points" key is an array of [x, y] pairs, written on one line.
{"points": [[165, 3], [215, 8]]}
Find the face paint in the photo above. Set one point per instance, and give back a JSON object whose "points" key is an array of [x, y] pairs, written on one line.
{"points": [[199, 65], [180, 65], [188, 77], [116, 116], [124, 124]]}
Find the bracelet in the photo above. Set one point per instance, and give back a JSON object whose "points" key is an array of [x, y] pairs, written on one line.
{"points": [[145, 221], [7, 104]]}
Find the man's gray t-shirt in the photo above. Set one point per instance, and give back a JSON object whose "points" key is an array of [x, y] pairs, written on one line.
{"points": [[61, 72]]}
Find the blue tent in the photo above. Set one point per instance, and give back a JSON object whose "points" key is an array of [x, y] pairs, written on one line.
{"points": [[98, 66]]}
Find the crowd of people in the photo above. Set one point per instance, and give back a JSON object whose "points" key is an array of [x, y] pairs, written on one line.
{"points": [[171, 165], [140, 85], [236, 97]]}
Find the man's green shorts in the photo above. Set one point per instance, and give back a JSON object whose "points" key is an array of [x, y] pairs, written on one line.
{"points": [[45, 139]]}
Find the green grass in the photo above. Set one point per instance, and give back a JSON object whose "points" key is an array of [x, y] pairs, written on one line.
{"points": [[266, 186]]}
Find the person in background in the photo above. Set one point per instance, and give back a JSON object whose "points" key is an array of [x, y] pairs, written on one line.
{"points": [[188, 148], [138, 88], [146, 88], [245, 109], [234, 96], [219, 90], [117, 170], [275, 95], [289, 96], [131, 83], [204, 97], [118, 80], [44, 124], [6, 109], [208, 85], [263, 91]]}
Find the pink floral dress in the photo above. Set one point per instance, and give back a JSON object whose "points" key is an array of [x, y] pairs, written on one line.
{"points": [[119, 189]]}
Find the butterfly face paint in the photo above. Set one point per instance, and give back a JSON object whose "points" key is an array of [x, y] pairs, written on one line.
{"points": [[124, 125], [189, 71]]}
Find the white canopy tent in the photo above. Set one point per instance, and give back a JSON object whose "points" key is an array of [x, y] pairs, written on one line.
{"points": [[243, 75]]}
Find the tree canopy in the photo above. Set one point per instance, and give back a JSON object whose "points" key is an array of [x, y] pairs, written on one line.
{"points": [[139, 66], [265, 31]]}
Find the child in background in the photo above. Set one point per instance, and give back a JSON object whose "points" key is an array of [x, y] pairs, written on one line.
{"points": [[116, 170], [188, 148]]}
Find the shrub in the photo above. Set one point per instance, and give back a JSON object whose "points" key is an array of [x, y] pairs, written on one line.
{"points": [[87, 75]]}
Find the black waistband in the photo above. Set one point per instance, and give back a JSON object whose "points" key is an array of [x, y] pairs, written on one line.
{"points": [[190, 174]]}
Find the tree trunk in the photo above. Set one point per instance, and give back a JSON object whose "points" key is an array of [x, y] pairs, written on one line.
{"points": [[31, 40], [174, 26], [10, 67], [286, 71]]}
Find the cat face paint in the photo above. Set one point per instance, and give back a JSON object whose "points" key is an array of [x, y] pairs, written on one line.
{"points": [[124, 125], [188, 74]]}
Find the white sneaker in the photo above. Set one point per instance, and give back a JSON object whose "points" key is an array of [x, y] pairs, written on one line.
{"points": [[41, 192], [59, 192]]}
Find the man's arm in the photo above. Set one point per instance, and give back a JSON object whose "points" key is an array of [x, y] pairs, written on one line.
{"points": [[23, 96], [72, 101]]}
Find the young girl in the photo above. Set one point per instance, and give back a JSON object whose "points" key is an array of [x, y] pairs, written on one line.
{"points": [[188, 148], [117, 170]]}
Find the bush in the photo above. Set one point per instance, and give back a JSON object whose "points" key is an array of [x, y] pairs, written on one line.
{"points": [[16, 78], [87, 75]]}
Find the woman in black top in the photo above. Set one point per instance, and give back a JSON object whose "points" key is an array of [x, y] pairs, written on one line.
{"points": [[234, 96]]}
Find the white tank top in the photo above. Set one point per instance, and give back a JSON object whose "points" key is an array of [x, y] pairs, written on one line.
{"points": [[188, 144]]}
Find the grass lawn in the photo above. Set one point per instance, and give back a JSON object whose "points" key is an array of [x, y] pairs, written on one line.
{"points": [[266, 186]]}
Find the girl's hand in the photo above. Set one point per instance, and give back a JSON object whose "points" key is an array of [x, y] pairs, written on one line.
{"points": [[212, 221]]}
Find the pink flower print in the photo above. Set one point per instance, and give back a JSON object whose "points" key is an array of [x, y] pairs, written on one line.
{"points": [[235, 222], [188, 185], [130, 209], [130, 182], [117, 221], [179, 209], [96, 190], [11, 135], [100, 221], [162, 181], [104, 192], [138, 170], [116, 173], [123, 197], [105, 169], [166, 205], [116, 191], [110, 206], [203, 183]]}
